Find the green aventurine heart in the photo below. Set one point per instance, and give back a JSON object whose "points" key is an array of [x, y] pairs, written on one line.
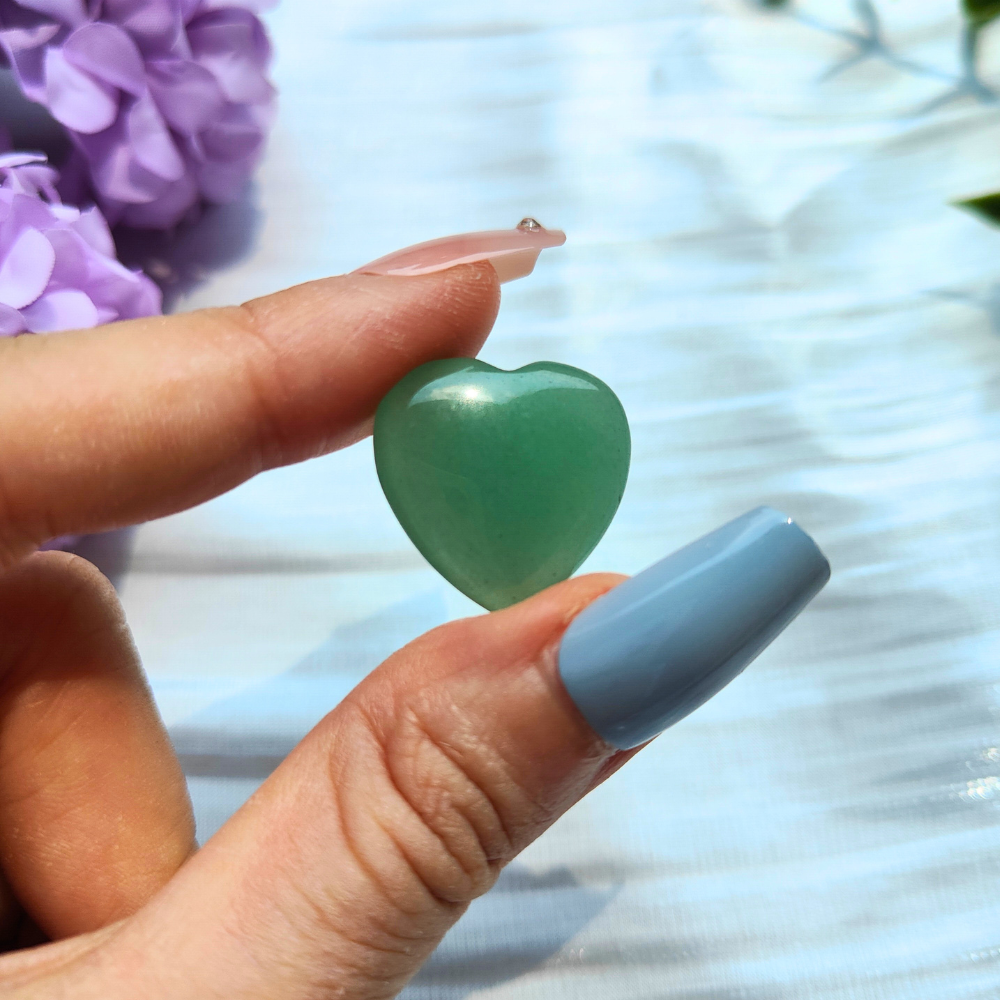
{"points": [[505, 481]]}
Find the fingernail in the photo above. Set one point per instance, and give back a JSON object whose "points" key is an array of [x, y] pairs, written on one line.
{"points": [[658, 646], [512, 252]]}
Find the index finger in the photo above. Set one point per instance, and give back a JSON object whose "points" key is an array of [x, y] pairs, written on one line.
{"points": [[106, 427]]}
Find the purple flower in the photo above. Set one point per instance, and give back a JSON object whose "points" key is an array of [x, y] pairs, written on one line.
{"points": [[166, 101], [58, 268]]}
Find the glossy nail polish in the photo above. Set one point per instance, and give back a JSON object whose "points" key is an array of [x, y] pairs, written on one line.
{"points": [[661, 644], [512, 252]]}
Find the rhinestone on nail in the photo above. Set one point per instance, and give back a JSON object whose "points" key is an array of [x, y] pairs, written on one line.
{"points": [[529, 225]]}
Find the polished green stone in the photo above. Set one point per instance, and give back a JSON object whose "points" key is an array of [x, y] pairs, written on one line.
{"points": [[505, 481]]}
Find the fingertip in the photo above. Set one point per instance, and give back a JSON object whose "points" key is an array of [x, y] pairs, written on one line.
{"points": [[541, 620], [576, 594], [454, 309], [525, 629], [57, 589]]}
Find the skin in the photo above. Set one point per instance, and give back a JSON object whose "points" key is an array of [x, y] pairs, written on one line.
{"points": [[344, 871]]}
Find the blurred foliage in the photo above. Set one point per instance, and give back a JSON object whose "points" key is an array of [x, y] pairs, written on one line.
{"points": [[986, 206], [981, 11]]}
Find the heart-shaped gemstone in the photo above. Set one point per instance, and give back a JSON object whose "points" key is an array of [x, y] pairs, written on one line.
{"points": [[505, 481]]}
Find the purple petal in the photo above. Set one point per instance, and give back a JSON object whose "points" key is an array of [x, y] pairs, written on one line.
{"points": [[26, 211], [71, 269], [166, 100], [75, 98], [29, 71], [109, 281], [71, 12], [147, 300], [26, 269], [152, 145], [235, 137], [92, 227], [11, 160], [24, 38], [116, 174], [108, 53], [62, 260], [227, 31], [64, 214], [122, 178], [11, 321], [111, 159], [155, 24], [36, 179], [169, 208], [233, 45], [29, 37], [128, 293], [241, 81], [66, 309], [188, 94]]}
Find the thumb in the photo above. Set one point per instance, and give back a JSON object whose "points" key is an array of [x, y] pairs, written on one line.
{"points": [[344, 871]]}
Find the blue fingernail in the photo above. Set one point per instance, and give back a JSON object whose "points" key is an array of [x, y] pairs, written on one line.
{"points": [[661, 644]]}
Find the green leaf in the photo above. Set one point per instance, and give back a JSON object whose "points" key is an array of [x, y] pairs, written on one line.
{"points": [[981, 11], [986, 206]]}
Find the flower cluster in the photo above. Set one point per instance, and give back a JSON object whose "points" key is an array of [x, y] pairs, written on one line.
{"points": [[58, 268], [166, 101]]}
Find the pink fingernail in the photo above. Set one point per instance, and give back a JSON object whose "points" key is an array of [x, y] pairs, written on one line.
{"points": [[512, 252]]}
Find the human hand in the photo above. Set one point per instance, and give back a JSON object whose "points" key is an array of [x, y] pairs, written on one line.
{"points": [[343, 872]]}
